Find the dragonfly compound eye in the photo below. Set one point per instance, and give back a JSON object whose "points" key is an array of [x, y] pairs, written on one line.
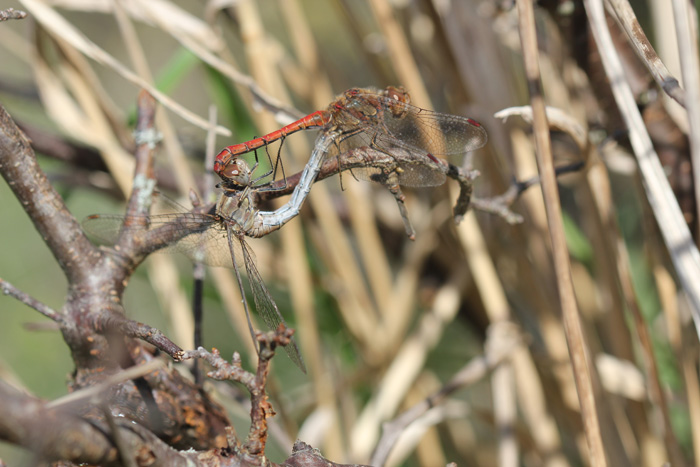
{"points": [[398, 94], [231, 171]]}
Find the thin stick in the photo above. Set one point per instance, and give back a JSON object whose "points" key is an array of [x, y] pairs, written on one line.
{"points": [[91, 391], [572, 323], [125, 455], [646, 52], [115, 320], [11, 290]]}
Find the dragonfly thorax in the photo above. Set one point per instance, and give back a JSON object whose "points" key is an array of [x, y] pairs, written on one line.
{"points": [[237, 208]]}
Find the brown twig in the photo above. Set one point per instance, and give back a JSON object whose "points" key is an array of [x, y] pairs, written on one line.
{"points": [[115, 321], [9, 289], [261, 410]]}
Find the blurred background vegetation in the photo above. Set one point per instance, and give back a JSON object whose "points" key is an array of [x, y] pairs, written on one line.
{"points": [[382, 322]]}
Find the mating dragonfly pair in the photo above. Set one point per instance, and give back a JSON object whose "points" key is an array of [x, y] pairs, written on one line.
{"points": [[377, 134]]}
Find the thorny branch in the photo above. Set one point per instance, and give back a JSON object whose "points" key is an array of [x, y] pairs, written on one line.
{"points": [[261, 410]]}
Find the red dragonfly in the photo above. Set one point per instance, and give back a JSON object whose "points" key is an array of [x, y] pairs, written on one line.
{"points": [[383, 120], [215, 238]]}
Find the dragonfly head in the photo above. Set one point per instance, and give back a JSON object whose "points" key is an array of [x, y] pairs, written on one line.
{"points": [[235, 173], [397, 94], [398, 97]]}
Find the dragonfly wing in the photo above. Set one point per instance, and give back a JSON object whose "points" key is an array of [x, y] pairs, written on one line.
{"points": [[103, 228], [199, 236], [434, 132], [266, 306], [208, 246], [385, 159], [420, 169]]}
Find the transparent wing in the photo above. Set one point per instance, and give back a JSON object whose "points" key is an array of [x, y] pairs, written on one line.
{"points": [[266, 306], [199, 236], [434, 132], [412, 166]]}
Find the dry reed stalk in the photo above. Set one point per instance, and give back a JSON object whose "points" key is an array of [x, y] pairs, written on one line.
{"points": [[572, 324], [400, 53], [408, 73], [663, 77], [684, 254], [81, 117], [498, 312], [684, 347], [58, 26], [171, 146], [427, 445], [519, 267], [404, 368], [687, 39]]}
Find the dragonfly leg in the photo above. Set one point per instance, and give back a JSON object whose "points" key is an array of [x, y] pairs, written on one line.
{"points": [[336, 142], [395, 190], [273, 171], [390, 180], [278, 161], [466, 186]]}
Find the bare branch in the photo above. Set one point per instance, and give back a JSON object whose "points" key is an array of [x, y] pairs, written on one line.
{"points": [[115, 321], [9, 289], [304, 455], [261, 409], [223, 370], [29, 422]]}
